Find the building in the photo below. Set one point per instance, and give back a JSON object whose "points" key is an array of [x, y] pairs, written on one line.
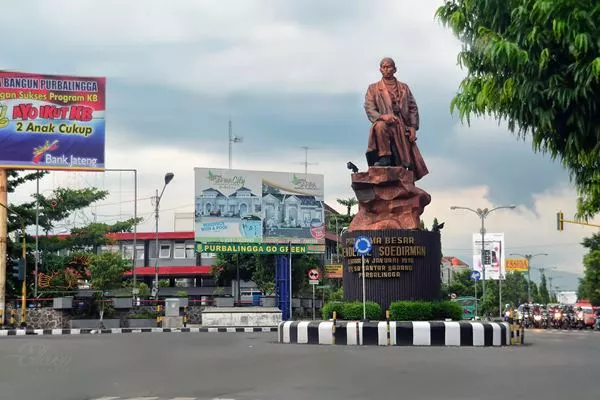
{"points": [[450, 266]]}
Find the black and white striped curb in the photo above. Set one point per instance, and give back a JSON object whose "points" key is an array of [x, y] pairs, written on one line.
{"points": [[158, 398], [56, 332], [410, 333]]}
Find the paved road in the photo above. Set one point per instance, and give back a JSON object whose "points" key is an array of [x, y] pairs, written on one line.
{"points": [[556, 365]]}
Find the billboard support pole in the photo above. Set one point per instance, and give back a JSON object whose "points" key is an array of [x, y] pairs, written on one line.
{"points": [[500, 293], [3, 240], [290, 275], [37, 235]]}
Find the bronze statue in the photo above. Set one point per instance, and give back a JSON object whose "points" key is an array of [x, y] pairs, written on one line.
{"points": [[387, 197], [392, 109]]}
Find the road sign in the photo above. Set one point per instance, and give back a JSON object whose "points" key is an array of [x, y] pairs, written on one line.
{"points": [[314, 275], [475, 275], [363, 245], [453, 296]]}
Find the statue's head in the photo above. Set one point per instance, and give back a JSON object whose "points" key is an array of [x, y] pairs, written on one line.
{"points": [[387, 67]]}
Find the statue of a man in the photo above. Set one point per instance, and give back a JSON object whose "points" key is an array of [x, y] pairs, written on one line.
{"points": [[392, 109]]}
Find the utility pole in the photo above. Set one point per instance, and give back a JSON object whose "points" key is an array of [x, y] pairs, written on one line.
{"points": [[3, 241], [232, 139], [306, 163]]}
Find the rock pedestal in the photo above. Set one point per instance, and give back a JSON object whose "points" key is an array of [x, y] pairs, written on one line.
{"points": [[387, 199]]}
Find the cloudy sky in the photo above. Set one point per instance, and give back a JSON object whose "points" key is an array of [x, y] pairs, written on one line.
{"points": [[290, 74]]}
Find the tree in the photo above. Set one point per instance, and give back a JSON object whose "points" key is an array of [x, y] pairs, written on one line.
{"points": [[544, 295], [536, 65], [106, 273], [460, 284], [57, 206], [535, 294], [589, 285], [348, 203]]}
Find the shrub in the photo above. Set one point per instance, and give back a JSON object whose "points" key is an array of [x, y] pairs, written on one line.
{"points": [[354, 311], [447, 309], [351, 310], [330, 307], [425, 311], [411, 311]]}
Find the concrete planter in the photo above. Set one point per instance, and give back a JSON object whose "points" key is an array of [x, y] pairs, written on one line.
{"points": [[183, 302], [122, 302], [140, 323], [241, 316], [95, 323], [62, 303], [268, 301], [224, 301]]}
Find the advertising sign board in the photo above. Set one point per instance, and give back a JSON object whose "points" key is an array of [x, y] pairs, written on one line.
{"points": [[260, 207], [51, 122]]}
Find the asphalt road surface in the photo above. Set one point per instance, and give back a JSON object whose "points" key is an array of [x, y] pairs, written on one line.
{"points": [[555, 365]]}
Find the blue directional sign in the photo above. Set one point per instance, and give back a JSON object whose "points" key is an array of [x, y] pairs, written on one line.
{"points": [[363, 245], [475, 275]]}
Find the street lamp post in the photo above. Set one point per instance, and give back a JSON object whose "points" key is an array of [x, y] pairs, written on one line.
{"points": [[168, 178], [483, 214], [528, 257]]}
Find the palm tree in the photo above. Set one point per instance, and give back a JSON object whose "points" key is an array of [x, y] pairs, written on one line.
{"points": [[349, 203]]}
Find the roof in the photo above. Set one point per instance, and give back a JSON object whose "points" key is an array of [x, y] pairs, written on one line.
{"points": [[173, 271], [184, 235], [242, 189], [454, 261]]}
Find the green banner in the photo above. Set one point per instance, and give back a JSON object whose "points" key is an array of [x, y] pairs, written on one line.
{"points": [[254, 248]]}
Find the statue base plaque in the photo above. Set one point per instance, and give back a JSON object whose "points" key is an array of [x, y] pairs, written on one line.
{"points": [[403, 265]]}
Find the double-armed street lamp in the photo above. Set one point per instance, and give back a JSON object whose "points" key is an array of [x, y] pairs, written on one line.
{"points": [[168, 178], [483, 214]]}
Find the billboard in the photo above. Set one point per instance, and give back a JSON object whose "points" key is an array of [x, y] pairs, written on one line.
{"points": [[260, 207], [516, 265], [51, 122], [494, 255]]}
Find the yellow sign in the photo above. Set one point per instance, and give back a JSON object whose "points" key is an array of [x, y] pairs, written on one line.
{"points": [[334, 271], [516, 265]]}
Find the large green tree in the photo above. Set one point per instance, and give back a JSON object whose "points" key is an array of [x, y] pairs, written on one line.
{"points": [[589, 285], [55, 207], [543, 290], [536, 65]]}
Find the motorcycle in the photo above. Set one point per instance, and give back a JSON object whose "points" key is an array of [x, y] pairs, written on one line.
{"points": [[557, 319], [544, 320], [579, 321], [537, 321]]}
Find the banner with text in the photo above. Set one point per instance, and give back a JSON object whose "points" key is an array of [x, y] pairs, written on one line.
{"points": [[51, 122], [494, 255], [240, 206], [517, 265]]}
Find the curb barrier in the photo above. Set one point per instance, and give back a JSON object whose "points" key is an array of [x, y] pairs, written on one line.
{"points": [[395, 333], [58, 332]]}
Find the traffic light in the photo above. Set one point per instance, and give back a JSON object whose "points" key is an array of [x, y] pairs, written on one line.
{"points": [[559, 221], [18, 268]]}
